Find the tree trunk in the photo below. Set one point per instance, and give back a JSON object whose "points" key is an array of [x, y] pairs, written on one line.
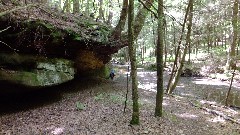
{"points": [[231, 54], [138, 22], [209, 38], [165, 45], [175, 80], [66, 6], [160, 48], [59, 4], [121, 23], [76, 6], [230, 87], [140, 18], [189, 54], [238, 47], [178, 50], [132, 54], [101, 12], [110, 13], [87, 9]]}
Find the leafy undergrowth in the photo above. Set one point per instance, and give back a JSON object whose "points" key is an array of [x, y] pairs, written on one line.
{"points": [[95, 106]]}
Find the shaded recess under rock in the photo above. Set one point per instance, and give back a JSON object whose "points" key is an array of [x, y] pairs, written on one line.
{"points": [[36, 30]]}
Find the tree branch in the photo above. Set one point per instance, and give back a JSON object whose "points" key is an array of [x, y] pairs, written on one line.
{"points": [[5, 29], [155, 15], [5, 43], [15, 50]]}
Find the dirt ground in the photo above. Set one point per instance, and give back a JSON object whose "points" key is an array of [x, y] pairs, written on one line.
{"points": [[94, 106]]}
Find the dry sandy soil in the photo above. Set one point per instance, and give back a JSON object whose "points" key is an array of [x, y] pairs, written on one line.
{"points": [[92, 106]]}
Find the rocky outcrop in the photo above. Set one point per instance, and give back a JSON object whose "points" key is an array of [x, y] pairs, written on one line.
{"points": [[39, 30], [35, 71], [45, 46]]}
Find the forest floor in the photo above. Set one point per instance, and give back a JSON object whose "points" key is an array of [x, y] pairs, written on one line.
{"points": [[95, 106]]}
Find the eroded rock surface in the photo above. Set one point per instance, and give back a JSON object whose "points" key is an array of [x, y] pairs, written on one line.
{"points": [[35, 71]]}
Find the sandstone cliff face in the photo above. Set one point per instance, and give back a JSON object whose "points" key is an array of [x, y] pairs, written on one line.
{"points": [[35, 71], [38, 32]]}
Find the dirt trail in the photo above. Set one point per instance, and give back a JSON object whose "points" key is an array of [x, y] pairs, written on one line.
{"points": [[95, 106]]}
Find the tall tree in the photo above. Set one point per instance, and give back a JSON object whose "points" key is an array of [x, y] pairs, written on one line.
{"points": [[160, 48], [66, 6], [141, 17], [138, 21], [172, 85], [110, 13], [87, 9], [177, 50], [231, 54], [121, 23], [132, 54], [76, 6], [101, 16]]}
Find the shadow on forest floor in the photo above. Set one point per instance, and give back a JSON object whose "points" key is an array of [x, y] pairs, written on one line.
{"points": [[14, 98]]}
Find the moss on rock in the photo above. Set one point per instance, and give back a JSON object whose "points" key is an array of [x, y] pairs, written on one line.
{"points": [[45, 72]]}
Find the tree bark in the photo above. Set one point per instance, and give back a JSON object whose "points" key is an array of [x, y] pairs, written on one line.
{"points": [[132, 54], [231, 54], [66, 6], [175, 80], [230, 87], [165, 46], [122, 21], [141, 17], [160, 48], [178, 50], [110, 13], [76, 6], [101, 12], [87, 9]]}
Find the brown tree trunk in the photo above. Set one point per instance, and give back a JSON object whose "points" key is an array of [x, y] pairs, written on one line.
{"points": [[160, 48], [230, 87], [165, 45], [101, 16], [110, 13], [175, 80], [76, 6], [66, 6], [178, 50], [87, 9], [141, 17], [231, 54], [132, 54], [121, 23]]}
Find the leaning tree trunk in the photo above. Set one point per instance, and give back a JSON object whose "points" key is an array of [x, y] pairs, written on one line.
{"points": [[140, 18], [160, 48], [121, 23], [175, 80], [231, 54], [177, 53], [132, 54]]}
